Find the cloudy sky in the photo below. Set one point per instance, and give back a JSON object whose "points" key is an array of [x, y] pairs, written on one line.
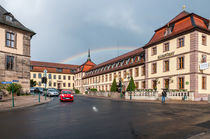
{"points": [[66, 29]]}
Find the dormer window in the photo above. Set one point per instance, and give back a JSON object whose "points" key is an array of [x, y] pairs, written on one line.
{"points": [[168, 30], [9, 18]]}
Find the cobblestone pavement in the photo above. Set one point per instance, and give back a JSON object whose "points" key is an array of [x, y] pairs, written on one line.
{"points": [[21, 102]]}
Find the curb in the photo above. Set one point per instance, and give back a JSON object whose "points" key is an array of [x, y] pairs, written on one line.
{"points": [[25, 106]]}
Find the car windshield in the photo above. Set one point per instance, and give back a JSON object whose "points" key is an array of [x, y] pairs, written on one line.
{"points": [[52, 90], [66, 92]]}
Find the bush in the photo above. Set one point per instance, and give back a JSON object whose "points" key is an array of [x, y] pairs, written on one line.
{"points": [[93, 89], [131, 86], [114, 86], [2, 86], [16, 88], [76, 91]]}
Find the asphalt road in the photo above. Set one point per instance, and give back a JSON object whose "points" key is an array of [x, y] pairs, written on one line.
{"points": [[92, 118]]}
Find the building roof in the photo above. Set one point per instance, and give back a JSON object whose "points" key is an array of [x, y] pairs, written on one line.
{"points": [[119, 58], [86, 66], [14, 23], [53, 65], [183, 22]]}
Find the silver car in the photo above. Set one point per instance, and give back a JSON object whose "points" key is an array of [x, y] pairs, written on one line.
{"points": [[52, 92]]}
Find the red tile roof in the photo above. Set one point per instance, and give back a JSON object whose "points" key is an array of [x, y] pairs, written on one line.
{"points": [[119, 58], [86, 66], [39, 66], [181, 23], [55, 65]]}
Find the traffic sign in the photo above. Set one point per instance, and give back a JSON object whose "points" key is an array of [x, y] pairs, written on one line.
{"points": [[6, 82]]}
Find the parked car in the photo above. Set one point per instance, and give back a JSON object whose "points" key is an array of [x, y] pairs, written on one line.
{"points": [[52, 92], [66, 95], [38, 90], [32, 89]]}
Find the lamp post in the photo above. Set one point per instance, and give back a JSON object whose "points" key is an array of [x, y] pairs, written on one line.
{"points": [[129, 86]]}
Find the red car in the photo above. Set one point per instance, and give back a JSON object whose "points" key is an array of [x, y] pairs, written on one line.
{"points": [[66, 95]]}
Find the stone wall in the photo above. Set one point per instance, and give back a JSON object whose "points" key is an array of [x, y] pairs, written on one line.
{"points": [[20, 72], [104, 94]]}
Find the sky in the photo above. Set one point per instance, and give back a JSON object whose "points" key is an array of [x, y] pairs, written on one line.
{"points": [[66, 29]]}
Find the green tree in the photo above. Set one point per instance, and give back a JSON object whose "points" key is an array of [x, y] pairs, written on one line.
{"points": [[16, 88], [131, 85], [114, 86], [76, 91], [32, 83]]}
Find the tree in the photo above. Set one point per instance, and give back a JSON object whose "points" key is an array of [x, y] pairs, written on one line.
{"points": [[114, 86], [2, 86], [131, 85], [32, 83], [16, 88]]}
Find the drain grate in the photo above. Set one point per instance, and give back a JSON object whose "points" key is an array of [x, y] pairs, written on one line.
{"points": [[205, 124]]}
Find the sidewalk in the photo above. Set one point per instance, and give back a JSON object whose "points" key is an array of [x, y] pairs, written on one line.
{"points": [[21, 102], [204, 135], [151, 101]]}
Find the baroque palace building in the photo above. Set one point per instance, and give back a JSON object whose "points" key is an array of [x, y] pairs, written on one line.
{"points": [[176, 57], [14, 50], [60, 76]]}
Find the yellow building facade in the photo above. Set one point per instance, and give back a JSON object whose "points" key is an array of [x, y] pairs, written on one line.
{"points": [[59, 76]]}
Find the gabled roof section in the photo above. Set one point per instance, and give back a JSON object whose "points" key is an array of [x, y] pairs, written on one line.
{"points": [[53, 65], [14, 23], [86, 66], [121, 57], [179, 16], [183, 22]]}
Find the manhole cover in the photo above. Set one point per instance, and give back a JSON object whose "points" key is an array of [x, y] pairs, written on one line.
{"points": [[205, 124]]}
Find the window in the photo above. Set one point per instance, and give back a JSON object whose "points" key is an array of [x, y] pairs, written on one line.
{"points": [[40, 75], [73, 78], [131, 72], [154, 84], [119, 74], [204, 59], [115, 75], [103, 78], [10, 39], [137, 85], [166, 83], [69, 77], [136, 72], [181, 42], [166, 47], [110, 77], [69, 84], [106, 78], [50, 76], [143, 85], [181, 82], [34, 75], [166, 66], [54, 76], [203, 82], [8, 18], [204, 40], [143, 70], [50, 83], [181, 63], [54, 84], [40, 84], [64, 77], [59, 70], [59, 76], [154, 51], [124, 74], [10, 63], [154, 68], [64, 84]]}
